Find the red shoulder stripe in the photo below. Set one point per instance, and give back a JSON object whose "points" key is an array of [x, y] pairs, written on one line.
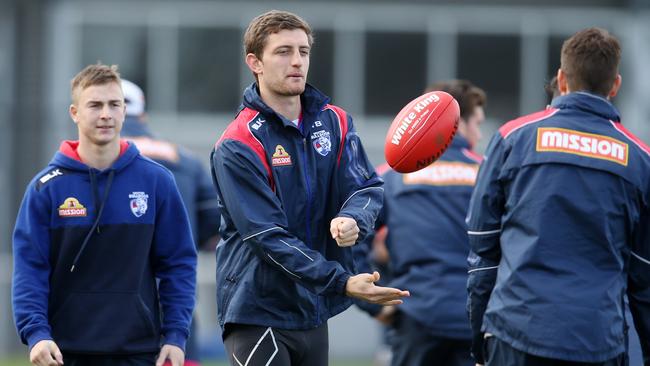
{"points": [[520, 122], [239, 130], [637, 141], [472, 155], [343, 127]]}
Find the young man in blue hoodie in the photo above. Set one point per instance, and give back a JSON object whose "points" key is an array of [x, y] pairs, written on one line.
{"points": [[96, 228], [296, 190], [558, 225]]}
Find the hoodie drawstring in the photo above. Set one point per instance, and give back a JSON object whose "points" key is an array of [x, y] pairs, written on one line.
{"points": [[94, 188]]}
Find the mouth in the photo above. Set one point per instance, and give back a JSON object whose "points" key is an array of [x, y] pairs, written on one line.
{"points": [[295, 76]]}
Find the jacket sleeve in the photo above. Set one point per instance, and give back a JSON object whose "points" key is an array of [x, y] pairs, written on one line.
{"points": [[639, 283], [174, 263], [484, 230], [30, 283], [208, 215], [361, 189], [243, 186]]}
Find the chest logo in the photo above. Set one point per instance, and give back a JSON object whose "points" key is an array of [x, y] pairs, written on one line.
{"points": [[321, 142], [138, 203], [71, 207], [280, 157]]}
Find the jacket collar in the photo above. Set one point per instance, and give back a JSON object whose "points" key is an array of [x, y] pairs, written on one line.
{"points": [[587, 102], [312, 100], [460, 142]]}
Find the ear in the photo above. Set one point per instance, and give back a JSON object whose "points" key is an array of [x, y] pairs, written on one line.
{"points": [[73, 111], [615, 87], [254, 63], [562, 84]]}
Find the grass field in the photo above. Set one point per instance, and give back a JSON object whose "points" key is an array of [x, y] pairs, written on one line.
{"points": [[17, 361]]}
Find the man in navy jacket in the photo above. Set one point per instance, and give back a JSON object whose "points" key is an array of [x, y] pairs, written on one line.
{"points": [[427, 243], [296, 190], [558, 225], [96, 228]]}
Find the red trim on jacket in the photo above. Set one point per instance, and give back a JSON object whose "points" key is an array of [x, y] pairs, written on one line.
{"points": [[637, 141], [239, 130], [343, 125], [70, 148], [520, 122]]}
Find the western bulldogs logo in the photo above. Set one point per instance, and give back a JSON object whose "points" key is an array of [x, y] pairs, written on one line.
{"points": [[138, 203], [321, 142]]}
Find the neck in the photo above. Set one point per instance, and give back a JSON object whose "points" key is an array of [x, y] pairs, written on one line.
{"points": [[287, 106], [96, 156]]}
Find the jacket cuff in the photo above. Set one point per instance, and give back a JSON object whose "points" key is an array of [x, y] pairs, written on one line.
{"points": [[175, 338], [341, 283], [37, 335]]}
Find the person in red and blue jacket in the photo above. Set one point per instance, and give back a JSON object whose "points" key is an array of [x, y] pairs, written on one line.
{"points": [[296, 190], [96, 228], [427, 242], [559, 225]]}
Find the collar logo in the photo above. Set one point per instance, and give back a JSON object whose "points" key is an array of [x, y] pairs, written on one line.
{"points": [[321, 142], [71, 207], [138, 203], [280, 157]]}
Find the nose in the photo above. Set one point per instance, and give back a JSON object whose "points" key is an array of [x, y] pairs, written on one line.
{"points": [[296, 60], [105, 112]]}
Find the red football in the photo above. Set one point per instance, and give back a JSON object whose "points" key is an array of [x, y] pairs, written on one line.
{"points": [[421, 131]]}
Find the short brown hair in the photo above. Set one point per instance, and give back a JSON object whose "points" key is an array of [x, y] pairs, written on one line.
{"points": [[269, 23], [468, 95], [590, 61], [97, 74]]}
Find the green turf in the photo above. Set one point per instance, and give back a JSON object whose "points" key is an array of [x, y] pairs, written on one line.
{"points": [[18, 361]]}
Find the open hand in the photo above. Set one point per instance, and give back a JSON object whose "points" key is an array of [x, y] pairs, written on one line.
{"points": [[362, 286]]}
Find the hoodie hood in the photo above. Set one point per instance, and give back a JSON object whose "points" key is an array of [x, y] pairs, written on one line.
{"points": [[67, 157]]}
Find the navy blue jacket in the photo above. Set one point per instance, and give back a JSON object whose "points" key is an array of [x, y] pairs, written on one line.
{"points": [[192, 179], [88, 246], [280, 186], [559, 228], [427, 238]]}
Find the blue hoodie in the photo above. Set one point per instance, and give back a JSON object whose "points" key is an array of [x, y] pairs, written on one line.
{"points": [[88, 246], [559, 232], [280, 185]]}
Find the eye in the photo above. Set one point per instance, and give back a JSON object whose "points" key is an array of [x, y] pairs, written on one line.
{"points": [[304, 51]]}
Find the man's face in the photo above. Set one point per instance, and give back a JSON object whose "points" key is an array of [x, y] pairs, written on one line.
{"points": [[99, 113], [285, 62], [470, 128]]}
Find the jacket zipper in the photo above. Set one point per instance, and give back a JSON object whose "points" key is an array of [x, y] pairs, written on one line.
{"points": [[308, 231]]}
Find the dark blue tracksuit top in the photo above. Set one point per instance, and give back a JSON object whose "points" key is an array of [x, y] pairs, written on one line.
{"points": [[88, 247], [279, 186], [559, 228]]}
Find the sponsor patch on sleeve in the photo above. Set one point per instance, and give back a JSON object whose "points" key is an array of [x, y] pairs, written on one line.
{"points": [[581, 143]]}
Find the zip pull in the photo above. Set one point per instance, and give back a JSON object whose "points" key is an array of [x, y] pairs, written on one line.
{"points": [[72, 268], [98, 231]]}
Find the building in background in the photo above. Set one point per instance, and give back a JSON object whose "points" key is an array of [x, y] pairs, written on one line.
{"points": [[372, 55]]}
